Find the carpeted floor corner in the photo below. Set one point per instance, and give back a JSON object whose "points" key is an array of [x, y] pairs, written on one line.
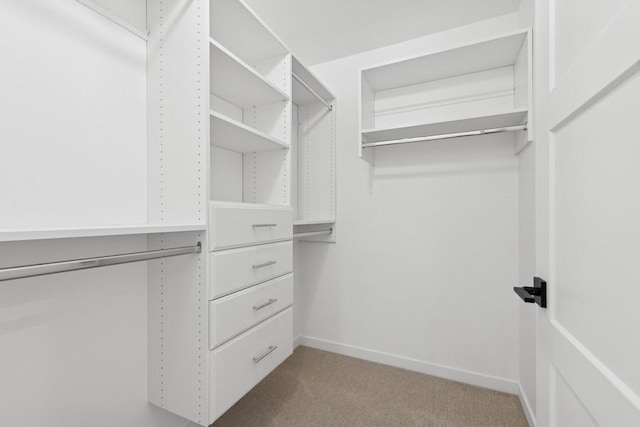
{"points": [[315, 388]]}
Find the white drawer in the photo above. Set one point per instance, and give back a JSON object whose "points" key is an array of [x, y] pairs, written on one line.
{"points": [[235, 269], [236, 313], [236, 225], [243, 362]]}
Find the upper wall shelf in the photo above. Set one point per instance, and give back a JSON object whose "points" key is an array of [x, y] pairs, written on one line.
{"points": [[481, 87], [235, 81], [237, 27]]}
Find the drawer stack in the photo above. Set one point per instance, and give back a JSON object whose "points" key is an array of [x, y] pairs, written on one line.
{"points": [[251, 297]]}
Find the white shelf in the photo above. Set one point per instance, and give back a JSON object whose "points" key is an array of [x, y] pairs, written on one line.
{"points": [[314, 222], [249, 205], [235, 81], [21, 234], [237, 27], [301, 96], [485, 55], [235, 136], [507, 118], [481, 86]]}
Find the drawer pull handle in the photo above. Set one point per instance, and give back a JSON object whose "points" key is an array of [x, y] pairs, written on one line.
{"points": [[271, 349], [266, 304], [264, 225], [266, 264]]}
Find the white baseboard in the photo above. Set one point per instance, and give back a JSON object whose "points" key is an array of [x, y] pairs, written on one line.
{"points": [[297, 341], [467, 377], [526, 407]]}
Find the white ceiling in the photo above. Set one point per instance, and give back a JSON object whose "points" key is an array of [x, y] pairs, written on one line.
{"points": [[321, 30]]}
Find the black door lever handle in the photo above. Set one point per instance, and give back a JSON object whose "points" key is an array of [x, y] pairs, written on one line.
{"points": [[536, 293], [524, 293]]}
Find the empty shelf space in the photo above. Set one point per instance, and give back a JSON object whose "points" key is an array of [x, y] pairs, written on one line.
{"points": [[237, 27], [301, 94], [485, 55], [235, 136], [235, 81], [510, 118], [42, 233]]}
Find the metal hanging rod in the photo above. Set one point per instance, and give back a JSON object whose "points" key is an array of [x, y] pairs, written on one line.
{"points": [[85, 263], [143, 34], [313, 92], [312, 233], [446, 136]]}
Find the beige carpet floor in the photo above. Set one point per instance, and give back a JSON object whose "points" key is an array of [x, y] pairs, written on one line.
{"points": [[319, 389]]}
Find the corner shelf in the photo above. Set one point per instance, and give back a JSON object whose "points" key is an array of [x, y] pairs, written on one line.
{"points": [[235, 136], [44, 233], [237, 82]]}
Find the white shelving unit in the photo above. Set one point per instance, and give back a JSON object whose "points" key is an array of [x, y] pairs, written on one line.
{"points": [[314, 146], [214, 177], [250, 103], [478, 86], [221, 86], [230, 91]]}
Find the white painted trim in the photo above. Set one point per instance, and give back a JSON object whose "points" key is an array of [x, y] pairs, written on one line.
{"points": [[526, 407], [297, 342], [454, 374]]}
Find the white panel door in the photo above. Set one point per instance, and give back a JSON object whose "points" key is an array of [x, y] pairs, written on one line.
{"points": [[588, 193]]}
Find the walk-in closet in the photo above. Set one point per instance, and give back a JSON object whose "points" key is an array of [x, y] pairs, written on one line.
{"points": [[293, 213]]}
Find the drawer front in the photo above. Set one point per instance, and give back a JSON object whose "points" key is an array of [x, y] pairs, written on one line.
{"points": [[235, 269], [236, 313], [243, 362], [235, 226]]}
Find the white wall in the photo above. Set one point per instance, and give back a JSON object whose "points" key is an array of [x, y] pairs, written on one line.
{"points": [[427, 250], [73, 87], [73, 347]]}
